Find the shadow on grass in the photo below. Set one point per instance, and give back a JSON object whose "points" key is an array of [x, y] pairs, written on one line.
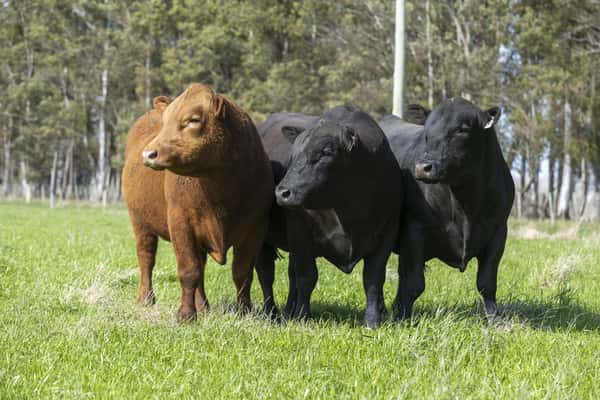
{"points": [[543, 315]]}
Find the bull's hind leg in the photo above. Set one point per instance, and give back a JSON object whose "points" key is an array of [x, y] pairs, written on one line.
{"points": [[244, 256], [145, 244], [487, 270], [411, 271], [292, 298], [265, 269], [305, 268]]}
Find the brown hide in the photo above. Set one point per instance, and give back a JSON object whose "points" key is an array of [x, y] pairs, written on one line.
{"points": [[209, 187]]}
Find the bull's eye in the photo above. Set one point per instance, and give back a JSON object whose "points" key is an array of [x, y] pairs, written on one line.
{"points": [[327, 151], [194, 120]]}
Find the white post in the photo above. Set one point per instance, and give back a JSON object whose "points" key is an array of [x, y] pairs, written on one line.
{"points": [[399, 60]]}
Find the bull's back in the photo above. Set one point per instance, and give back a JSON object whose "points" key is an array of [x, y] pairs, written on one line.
{"points": [[277, 146], [143, 188], [404, 138]]}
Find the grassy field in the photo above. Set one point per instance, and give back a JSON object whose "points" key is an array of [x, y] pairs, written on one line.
{"points": [[70, 328]]}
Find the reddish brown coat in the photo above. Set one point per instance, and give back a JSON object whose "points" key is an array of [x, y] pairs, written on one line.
{"points": [[209, 188]]}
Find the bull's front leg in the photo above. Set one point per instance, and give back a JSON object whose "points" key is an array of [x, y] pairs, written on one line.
{"points": [[190, 268], [306, 274], [487, 270], [411, 270], [374, 278]]}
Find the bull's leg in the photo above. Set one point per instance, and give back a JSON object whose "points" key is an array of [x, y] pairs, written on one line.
{"points": [[411, 271], [145, 244], [292, 298], [190, 268], [487, 270], [373, 279], [265, 269], [305, 269], [244, 256]]}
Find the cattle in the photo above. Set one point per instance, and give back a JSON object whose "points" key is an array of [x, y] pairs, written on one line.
{"points": [[196, 174], [337, 197], [459, 193]]}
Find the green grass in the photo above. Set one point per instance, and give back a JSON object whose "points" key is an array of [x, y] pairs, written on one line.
{"points": [[70, 328]]}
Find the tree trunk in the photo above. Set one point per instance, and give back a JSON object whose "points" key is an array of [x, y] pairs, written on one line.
{"points": [[25, 187], [147, 96], [522, 183], [53, 179], [7, 155], [592, 209], [536, 188], [101, 171], [551, 173], [566, 188]]}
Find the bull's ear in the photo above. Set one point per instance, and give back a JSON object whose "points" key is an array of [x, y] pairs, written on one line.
{"points": [[493, 115], [416, 114], [221, 103], [160, 102], [291, 132], [350, 138]]}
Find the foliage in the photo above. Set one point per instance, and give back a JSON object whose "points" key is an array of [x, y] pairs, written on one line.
{"points": [[530, 57]]}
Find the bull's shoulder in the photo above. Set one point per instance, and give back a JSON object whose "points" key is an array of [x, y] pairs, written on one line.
{"points": [[276, 121]]}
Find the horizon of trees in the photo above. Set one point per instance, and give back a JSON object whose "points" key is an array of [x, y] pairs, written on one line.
{"points": [[75, 74]]}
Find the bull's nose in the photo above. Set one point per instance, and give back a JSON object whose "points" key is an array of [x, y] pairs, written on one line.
{"points": [[424, 170], [283, 194], [149, 155]]}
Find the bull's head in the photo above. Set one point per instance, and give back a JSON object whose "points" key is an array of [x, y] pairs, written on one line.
{"points": [[319, 156], [191, 138], [455, 136]]}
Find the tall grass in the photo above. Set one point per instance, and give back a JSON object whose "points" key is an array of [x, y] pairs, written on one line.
{"points": [[70, 328]]}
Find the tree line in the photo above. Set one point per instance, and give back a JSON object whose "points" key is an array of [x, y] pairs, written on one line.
{"points": [[75, 74]]}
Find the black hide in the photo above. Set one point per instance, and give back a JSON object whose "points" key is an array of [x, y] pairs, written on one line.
{"points": [[337, 197], [458, 196]]}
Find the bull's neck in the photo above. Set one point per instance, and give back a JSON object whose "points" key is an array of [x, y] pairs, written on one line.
{"points": [[470, 195]]}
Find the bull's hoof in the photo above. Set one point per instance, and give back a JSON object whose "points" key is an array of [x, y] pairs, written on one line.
{"points": [[372, 321], [271, 312], [489, 308], [403, 315], [289, 309], [146, 297], [301, 313], [186, 315]]}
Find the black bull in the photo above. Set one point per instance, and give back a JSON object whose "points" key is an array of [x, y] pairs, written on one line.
{"points": [[458, 196], [457, 193], [339, 196]]}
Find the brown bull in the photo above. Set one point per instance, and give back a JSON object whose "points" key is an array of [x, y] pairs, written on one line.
{"points": [[209, 187]]}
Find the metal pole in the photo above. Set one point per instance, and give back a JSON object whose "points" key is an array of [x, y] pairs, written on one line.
{"points": [[399, 59]]}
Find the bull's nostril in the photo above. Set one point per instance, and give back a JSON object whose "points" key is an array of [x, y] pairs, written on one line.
{"points": [[428, 167], [285, 193], [150, 154]]}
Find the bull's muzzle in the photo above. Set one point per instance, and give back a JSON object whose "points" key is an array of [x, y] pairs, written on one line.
{"points": [[285, 196], [427, 171], [149, 157]]}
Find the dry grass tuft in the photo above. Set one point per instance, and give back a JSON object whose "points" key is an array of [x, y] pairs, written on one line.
{"points": [[558, 273], [529, 232]]}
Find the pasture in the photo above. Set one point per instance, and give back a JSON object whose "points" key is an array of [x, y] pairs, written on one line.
{"points": [[70, 327]]}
